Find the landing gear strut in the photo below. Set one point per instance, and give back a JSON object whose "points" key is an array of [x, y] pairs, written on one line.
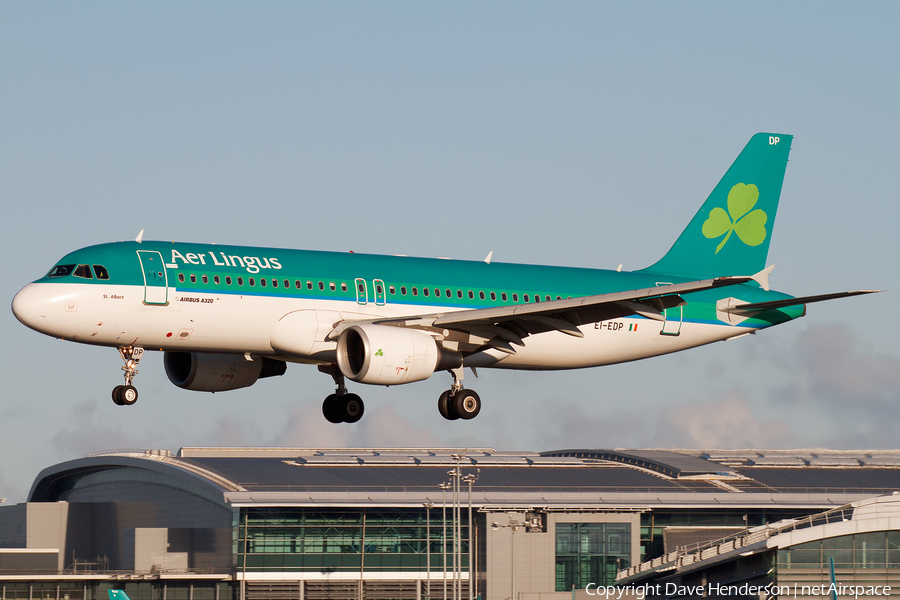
{"points": [[458, 402], [341, 407], [126, 395]]}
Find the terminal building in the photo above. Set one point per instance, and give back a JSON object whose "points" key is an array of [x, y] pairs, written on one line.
{"points": [[415, 523]]}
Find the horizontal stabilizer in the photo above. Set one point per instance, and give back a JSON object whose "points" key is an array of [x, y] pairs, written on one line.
{"points": [[774, 304]]}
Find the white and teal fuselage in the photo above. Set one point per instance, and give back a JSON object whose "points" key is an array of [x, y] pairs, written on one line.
{"points": [[199, 298]]}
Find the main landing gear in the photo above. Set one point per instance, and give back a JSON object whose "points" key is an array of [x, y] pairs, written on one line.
{"points": [[458, 402], [341, 407], [126, 395]]}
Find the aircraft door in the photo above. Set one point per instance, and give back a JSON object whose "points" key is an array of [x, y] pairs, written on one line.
{"points": [[156, 282], [379, 292], [362, 292], [672, 324]]}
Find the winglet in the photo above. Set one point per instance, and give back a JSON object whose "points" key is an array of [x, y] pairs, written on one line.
{"points": [[139, 237], [487, 258], [762, 278]]}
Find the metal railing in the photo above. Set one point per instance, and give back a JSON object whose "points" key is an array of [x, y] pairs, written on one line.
{"points": [[686, 555]]}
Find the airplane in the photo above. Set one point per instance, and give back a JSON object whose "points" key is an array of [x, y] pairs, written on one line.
{"points": [[227, 316]]}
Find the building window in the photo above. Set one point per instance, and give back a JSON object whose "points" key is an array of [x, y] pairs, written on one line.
{"points": [[591, 553]]}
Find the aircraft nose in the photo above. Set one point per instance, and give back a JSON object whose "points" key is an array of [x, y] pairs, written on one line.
{"points": [[31, 305]]}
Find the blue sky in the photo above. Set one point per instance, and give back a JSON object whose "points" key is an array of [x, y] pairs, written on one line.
{"points": [[583, 134]]}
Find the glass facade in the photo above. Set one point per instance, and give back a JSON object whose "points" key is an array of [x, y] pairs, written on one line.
{"points": [[348, 539], [590, 553], [878, 550], [97, 590]]}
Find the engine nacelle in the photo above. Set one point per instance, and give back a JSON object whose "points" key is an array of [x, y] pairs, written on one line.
{"points": [[385, 355], [203, 372]]}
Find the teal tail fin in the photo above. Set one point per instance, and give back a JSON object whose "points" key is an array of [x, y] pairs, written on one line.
{"points": [[118, 595], [730, 234]]}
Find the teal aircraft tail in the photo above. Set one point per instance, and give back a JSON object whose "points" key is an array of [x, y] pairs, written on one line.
{"points": [[730, 234], [118, 595]]}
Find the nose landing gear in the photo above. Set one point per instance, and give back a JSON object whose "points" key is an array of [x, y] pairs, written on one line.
{"points": [[126, 395]]}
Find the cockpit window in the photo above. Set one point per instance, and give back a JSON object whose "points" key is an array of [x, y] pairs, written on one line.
{"points": [[83, 271], [101, 272], [61, 270]]}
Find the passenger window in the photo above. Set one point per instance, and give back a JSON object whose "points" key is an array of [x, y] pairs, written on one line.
{"points": [[471, 295], [228, 280], [287, 283], [415, 292], [392, 290], [493, 296], [240, 281], [309, 285], [181, 278], [216, 279], [481, 295], [262, 281], [251, 281], [515, 297], [537, 298], [378, 289], [361, 287], [437, 293], [83, 271], [322, 285], [459, 293], [424, 291], [101, 272], [205, 279], [61, 270], [503, 296], [448, 293], [526, 298], [297, 284], [332, 286], [274, 283], [547, 298], [193, 278], [344, 287], [403, 290]]}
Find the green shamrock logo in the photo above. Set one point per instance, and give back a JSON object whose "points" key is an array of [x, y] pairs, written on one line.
{"points": [[379, 353], [750, 226]]}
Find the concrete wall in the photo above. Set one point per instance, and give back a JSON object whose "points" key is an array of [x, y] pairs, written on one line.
{"points": [[535, 552]]}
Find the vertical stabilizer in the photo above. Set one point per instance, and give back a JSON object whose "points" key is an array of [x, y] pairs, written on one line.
{"points": [[730, 234]]}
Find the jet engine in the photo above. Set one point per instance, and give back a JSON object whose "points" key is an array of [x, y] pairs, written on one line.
{"points": [[203, 372], [385, 355]]}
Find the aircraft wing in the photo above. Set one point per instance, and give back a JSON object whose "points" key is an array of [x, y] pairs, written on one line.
{"points": [[505, 325], [756, 307]]}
